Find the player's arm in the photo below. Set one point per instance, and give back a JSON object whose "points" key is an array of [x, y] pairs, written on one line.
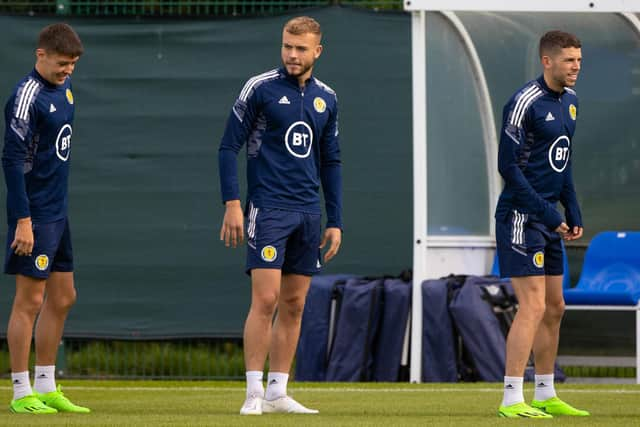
{"points": [[237, 131], [331, 177], [15, 163], [512, 140], [569, 200]]}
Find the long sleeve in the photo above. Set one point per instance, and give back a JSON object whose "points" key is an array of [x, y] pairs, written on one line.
{"points": [[17, 156], [238, 128], [569, 200], [331, 171], [512, 141]]}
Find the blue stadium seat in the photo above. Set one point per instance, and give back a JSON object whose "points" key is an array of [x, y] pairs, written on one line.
{"points": [[610, 279], [566, 280], [611, 271]]}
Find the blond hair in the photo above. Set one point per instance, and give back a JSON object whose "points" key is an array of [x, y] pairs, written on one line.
{"points": [[302, 25]]}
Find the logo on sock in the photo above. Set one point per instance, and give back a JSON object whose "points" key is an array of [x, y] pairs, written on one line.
{"points": [[273, 381], [541, 384], [508, 387], [42, 376], [17, 382]]}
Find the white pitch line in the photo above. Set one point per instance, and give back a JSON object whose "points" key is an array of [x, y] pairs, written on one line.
{"points": [[339, 390]]}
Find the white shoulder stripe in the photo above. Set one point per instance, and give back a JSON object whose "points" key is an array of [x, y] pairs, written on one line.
{"points": [[324, 86], [521, 98], [248, 84], [571, 91], [32, 94], [25, 99], [23, 91], [531, 98], [523, 104], [251, 83]]}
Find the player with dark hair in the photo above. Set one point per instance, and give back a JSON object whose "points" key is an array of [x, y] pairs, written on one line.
{"points": [[35, 159], [534, 158], [289, 122]]}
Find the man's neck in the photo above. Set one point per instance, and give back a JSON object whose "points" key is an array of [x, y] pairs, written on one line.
{"points": [[552, 84], [302, 80]]}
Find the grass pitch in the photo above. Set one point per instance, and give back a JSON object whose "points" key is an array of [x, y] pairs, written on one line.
{"points": [[176, 403]]}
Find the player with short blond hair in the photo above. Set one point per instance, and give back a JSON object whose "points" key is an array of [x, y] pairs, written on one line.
{"points": [[288, 120]]}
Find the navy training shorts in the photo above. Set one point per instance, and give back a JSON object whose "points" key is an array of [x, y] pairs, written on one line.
{"points": [[527, 248], [284, 240], [52, 251]]}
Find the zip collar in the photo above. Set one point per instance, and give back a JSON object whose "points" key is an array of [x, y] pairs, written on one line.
{"points": [[551, 92], [294, 80]]}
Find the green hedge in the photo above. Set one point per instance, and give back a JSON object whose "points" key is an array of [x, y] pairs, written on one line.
{"points": [[192, 359]]}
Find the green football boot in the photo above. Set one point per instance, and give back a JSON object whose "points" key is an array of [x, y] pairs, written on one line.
{"points": [[57, 399], [30, 405], [522, 410], [555, 406]]}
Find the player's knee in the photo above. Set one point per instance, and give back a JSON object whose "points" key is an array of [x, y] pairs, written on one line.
{"points": [[533, 311], [30, 304], [62, 302], [555, 310], [265, 305], [293, 306]]}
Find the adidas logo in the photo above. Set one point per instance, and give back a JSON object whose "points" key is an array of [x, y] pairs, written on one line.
{"points": [[284, 100], [17, 382], [549, 117], [52, 108], [508, 387], [273, 381], [542, 384], [42, 376]]}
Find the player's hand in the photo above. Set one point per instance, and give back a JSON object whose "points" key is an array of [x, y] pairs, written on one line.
{"points": [[23, 241], [232, 231], [574, 234], [333, 235], [563, 229]]}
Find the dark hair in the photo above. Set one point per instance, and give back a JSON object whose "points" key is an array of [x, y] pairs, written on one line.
{"points": [[302, 25], [60, 38], [552, 41]]}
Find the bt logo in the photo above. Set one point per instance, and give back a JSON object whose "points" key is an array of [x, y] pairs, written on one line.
{"points": [[63, 142], [299, 139], [559, 153]]}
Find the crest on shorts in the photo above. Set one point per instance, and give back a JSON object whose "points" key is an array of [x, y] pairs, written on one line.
{"points": [[42, 262], [319, 104], [573, 111], [538, 259], [269, 253], [70, 96]]}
